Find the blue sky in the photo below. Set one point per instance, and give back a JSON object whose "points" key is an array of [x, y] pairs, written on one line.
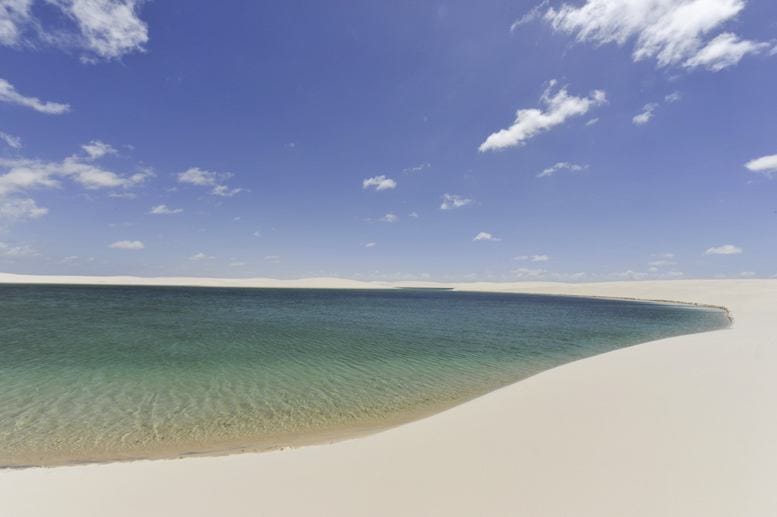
{"points": [[586, 140]]}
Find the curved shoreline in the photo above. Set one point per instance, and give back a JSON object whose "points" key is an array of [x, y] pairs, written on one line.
{"points": [[679, 426]]}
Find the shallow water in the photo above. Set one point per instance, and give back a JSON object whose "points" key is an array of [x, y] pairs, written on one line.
{"points": [[94, 373]]}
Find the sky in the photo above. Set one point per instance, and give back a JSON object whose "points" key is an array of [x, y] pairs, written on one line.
{"points": [[583, 140]]}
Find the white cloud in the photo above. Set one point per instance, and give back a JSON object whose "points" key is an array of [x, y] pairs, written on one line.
{"points": [[97, 149], [9, 94], [559, 166], [204, 178], [165, 210], [379, 182], [370, 244], [725, 249], [418, 168], [485, 236], [101, 29], [14, 14], [533, 258], [200, 256], [237, 263], [723, 51], [533, 14], [413, 215], [673, 97], [592, 121], [557, 108], [661, 263], [673, 32], [390, 218], [451, 201], [273, 259], [18, 175], [11, 141], [19, 209], [648, 110], [127, 245], [525, 272], [17, 251], [766, 165]]}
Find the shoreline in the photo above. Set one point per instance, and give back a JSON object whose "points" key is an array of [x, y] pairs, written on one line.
{"points": [[584, 435]]}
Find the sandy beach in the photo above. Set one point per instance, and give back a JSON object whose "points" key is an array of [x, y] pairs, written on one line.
{"points": [[677, 427]]}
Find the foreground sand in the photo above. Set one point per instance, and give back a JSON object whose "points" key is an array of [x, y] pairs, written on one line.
{"points": [[684, 426]]}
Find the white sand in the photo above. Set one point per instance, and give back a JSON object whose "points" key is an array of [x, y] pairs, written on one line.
{"points": [[684, 426]]}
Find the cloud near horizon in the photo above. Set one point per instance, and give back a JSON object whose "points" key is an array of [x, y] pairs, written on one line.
{"points": [[556, 109], [725, 249], [127, 245]]}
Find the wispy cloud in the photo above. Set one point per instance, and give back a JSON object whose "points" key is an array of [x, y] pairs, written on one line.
{"points": [[674, 33], [389, 218], [214, 180], [127, 245], [766, 165], [200, 256], [452, 201], [14, 251], [556, 109], [99, 29], [164, 210], [379, 183], [648, 110], [533, 258], [417, 168], [561, 166], [9, 94], [485, 236], [725, 249], [11, 141], [370, 245]]}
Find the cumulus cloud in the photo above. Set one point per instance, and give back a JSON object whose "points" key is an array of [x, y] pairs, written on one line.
{"points": [[648, 110], [673, 32], [766, 165], [485, 236], [127, 245], [379, 183], [557, 108], [164, 210], [21, 175], [390, 218], [451, 201], [99, 29], [9, 94], [725, 249], [97, 149], [561, 166], [673, 97], [11, 141], [204, 178]]}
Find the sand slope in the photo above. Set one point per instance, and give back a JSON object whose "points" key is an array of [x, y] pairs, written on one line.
{"points": [[684, 426]]}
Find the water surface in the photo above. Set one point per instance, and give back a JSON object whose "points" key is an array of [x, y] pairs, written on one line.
{"points": [[96, 373]]}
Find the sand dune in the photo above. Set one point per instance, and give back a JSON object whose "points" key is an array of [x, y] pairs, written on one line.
{"points": [[684, 426]]}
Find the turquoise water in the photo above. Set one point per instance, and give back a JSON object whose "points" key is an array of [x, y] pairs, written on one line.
{"points": [[107, 373]]}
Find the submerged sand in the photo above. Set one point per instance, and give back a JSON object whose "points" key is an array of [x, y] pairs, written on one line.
{"points": [[681, 426]]}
